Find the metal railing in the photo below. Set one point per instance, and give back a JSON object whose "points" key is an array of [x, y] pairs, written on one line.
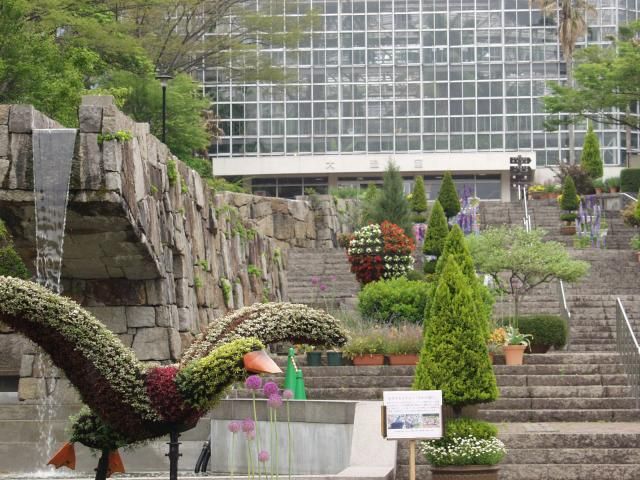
{"points": [[564, 311], [629, 350], [522, 195]]}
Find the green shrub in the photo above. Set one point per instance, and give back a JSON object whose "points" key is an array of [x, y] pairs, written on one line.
{"points": [[468, 427], [415, 275], [448, 196], [172, 172], [569, 200], [393, 300], [11, 265], [454, 357], [613, 182], [345, 192], [549, 330], [568, 217], [630, 180], [591, 160]]}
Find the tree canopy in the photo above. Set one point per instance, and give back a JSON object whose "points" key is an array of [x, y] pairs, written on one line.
{"points": [[607, 84], [525, 257]]}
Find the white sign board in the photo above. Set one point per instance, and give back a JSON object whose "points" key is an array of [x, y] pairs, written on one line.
{"points": [[416, 414]]}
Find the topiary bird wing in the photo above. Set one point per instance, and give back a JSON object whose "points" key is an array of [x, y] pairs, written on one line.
{"points": [[108, 376]]}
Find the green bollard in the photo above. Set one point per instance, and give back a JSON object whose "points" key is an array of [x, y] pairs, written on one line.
{"points": [[299, 393], [290, 374]]}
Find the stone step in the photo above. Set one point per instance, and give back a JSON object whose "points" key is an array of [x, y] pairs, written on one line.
{"points": [[562, 403], [560, 415]]}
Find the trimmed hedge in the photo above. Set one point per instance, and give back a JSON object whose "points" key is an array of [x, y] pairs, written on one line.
{"points": [[630, 180], [548, 330], [394, 300]]}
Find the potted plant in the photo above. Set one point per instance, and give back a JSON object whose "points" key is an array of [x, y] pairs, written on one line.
{"points": [[635, 244], [468, 450], [599, 186], [496, 341], [515, 345], [402, 345], [613, 184], [334, 358], [366, 349], [314, 357], [536, 192], [569, 202], [552, 190]]}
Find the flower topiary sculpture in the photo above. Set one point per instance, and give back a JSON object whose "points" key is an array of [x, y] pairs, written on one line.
{"points": [[128, 402]]}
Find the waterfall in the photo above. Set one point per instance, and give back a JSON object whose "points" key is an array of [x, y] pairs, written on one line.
{"points": [[52, 157]]}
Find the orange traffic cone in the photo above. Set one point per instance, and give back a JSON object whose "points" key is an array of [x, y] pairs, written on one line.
{"points": [[65, 457], [115, 463]]}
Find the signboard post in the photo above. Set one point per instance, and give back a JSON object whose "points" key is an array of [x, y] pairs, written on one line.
{"points": [[412, 416]]}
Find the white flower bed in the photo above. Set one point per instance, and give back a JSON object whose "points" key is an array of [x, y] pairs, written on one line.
{"points": [[463, 451]]}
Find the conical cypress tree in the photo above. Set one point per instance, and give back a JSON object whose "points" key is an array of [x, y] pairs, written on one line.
{"points": [[591, 161], [454, 356], [456, 247], [569, 200], [419, 201], [448, 196], [391, 204], [437, 232]]}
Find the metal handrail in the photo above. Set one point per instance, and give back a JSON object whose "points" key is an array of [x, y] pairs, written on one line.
{"points": [[628, 349], [522, 194], [564, 311]]}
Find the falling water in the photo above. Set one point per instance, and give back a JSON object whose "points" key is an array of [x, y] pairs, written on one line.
{"points": [[52, 156]]}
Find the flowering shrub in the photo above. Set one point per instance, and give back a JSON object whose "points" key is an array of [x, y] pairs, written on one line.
{"points": [[464, 451], [269, 322], [380, 251]]}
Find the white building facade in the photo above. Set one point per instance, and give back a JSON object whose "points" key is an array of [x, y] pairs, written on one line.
{"points": [[433, 85]]}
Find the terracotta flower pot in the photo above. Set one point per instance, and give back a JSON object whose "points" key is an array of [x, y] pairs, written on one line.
{"points": [[371, 359], [598, 191], [465, 472], [568, 230], [407, 359], [514, 354]]}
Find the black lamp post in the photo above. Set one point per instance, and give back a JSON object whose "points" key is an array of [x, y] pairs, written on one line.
{"points": [[164, 80]]}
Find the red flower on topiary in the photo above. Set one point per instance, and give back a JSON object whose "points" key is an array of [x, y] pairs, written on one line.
{"points": [[166, 399]]}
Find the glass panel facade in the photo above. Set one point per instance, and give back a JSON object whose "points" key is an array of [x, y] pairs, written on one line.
{"points": [[412, 76]]}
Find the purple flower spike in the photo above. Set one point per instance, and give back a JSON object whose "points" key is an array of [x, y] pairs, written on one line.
{"points": [[275, 401], [254, 382], [270, 388], [263, 456], [248, 425], [235, 426], [287, 394], [251, 435]]}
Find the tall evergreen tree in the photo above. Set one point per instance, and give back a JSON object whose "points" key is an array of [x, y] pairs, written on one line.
{"points": [[391, 204], [454, 356], [448, 196], [437, 232], [591, 160], [419, 201], [569, 199]]}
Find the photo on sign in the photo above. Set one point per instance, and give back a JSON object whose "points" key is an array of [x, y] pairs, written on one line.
{"points": [[412, 421]]}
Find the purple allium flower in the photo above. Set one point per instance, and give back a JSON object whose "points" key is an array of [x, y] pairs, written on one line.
{"points": [[263, 456], [248, 425], [287, 394], [314, 281], [322, 287], [270, 388], [275, 401], [254, 382], [251, 435], [235, 426]]}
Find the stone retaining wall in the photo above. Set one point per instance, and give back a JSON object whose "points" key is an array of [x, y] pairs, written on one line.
{"points": [[149, 249]]}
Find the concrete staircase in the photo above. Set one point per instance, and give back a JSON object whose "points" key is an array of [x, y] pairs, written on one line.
{"points": [[565, 451], [330, 267]]}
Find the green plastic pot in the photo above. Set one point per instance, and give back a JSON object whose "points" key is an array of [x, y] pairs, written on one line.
{"points": [[314, 359], [334, 359]]}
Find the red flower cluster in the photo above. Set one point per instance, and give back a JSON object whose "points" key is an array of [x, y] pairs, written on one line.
{"points": [[165, 397], [395, 240], [366, 267]]}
